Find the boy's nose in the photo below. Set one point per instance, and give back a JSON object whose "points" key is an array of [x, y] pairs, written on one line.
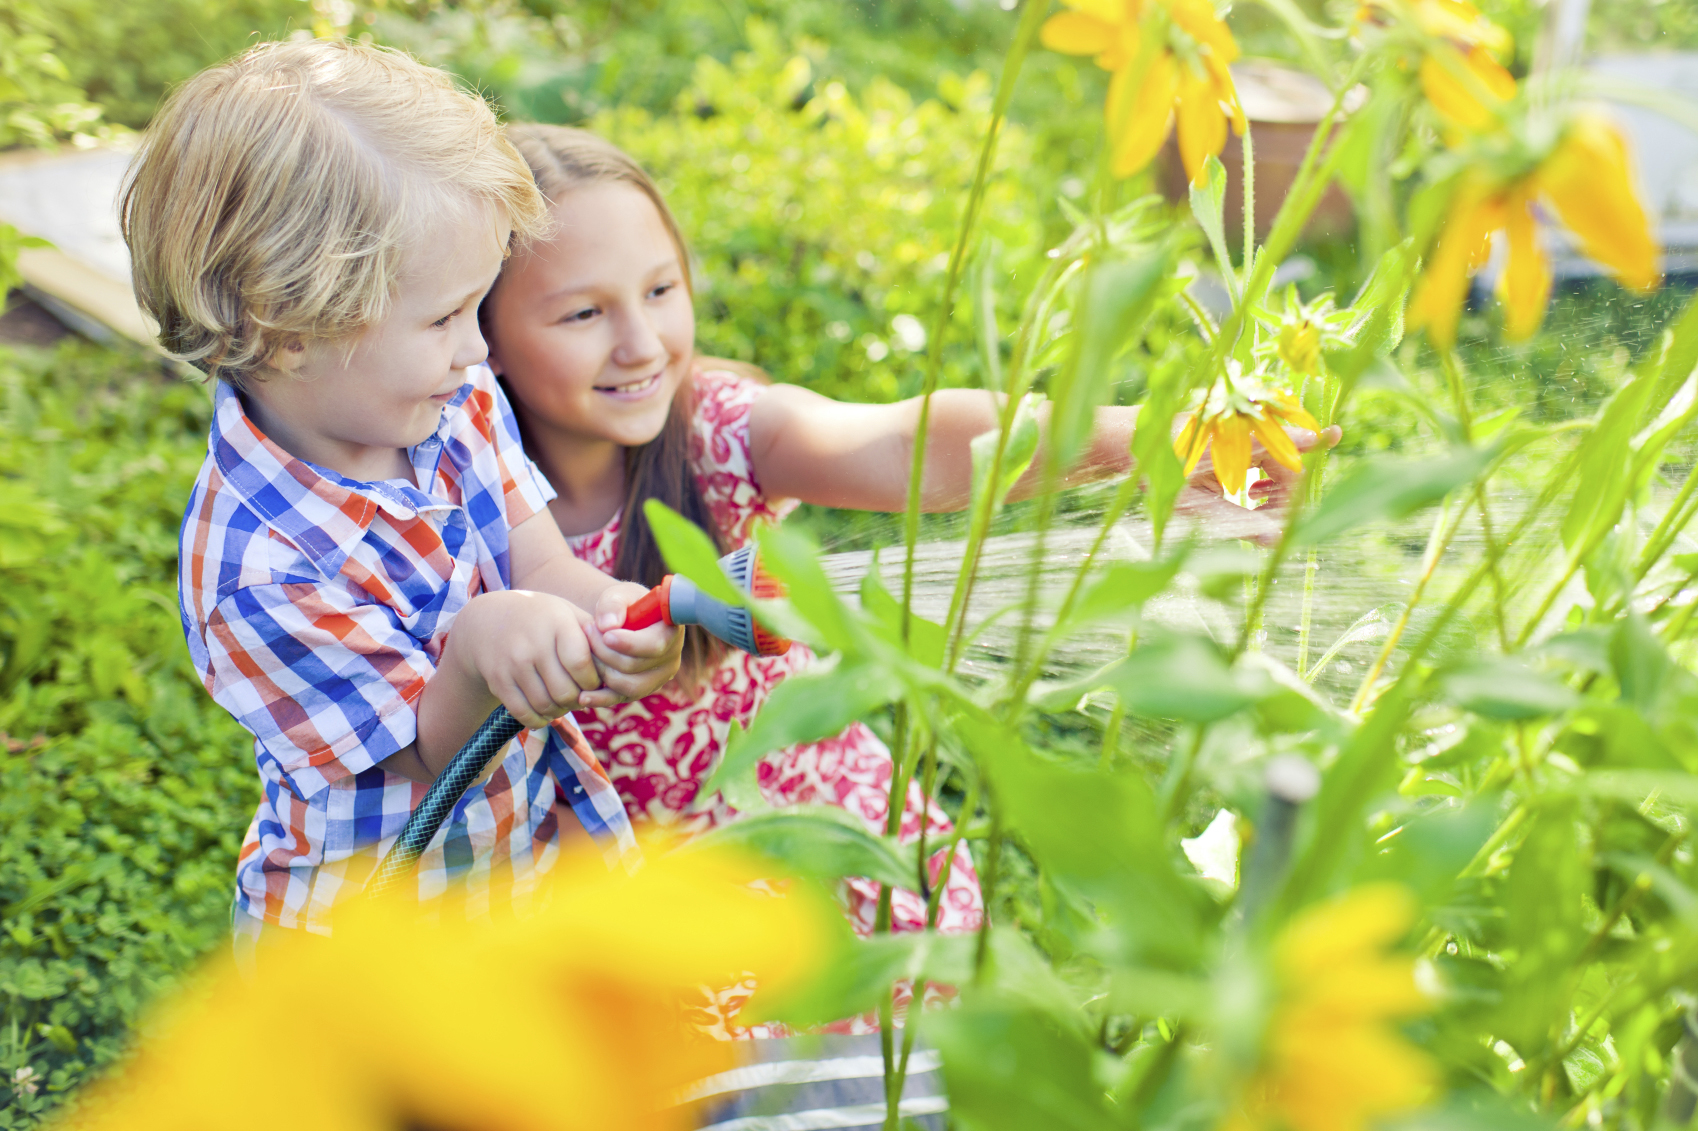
{"points": [[472, 350]]}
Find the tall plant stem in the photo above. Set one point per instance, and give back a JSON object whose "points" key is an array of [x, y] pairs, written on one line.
{"points": [[984, 509], [1312, 177], [1024, 35], [1311, 565], [1669, 527], [1436, 546], [1456, 379]]}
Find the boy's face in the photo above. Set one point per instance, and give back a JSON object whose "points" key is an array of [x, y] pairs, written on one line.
{"points": [[593, 329], [355, 406]]}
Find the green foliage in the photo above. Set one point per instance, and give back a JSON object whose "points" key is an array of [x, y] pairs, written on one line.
{"points": [[820, 217], [123, 790], [40, 103]]}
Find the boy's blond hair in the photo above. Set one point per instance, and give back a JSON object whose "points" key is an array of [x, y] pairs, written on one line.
{"points": [[274, 196]]}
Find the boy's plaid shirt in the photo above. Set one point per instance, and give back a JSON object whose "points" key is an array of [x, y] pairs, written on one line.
{"points": [[316, 608]]}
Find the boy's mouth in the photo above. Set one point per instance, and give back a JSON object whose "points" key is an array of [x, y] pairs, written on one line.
{"points": [[632, 389]]}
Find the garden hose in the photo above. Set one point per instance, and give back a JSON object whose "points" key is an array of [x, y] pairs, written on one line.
{"points": [[675, 601]]}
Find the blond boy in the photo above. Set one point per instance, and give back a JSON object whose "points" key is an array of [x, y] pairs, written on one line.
{"points": [[368, 565]]}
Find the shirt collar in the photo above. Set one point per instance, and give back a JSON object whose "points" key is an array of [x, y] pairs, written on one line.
{"points": [[322, 513]]}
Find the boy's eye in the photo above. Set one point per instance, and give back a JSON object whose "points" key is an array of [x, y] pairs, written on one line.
{"points": [[444, 320], [583, 315]]}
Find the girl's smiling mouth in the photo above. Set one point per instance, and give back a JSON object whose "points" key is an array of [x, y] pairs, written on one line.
{"points": [[632, 390]]}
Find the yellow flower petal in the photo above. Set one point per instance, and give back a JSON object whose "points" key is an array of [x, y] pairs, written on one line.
{"points": [[1586, 178], [1525, 286], [1437, 304], [1202, 125], [1138, 121], [1231, 449], [1277, 443], [1188, 446], [1461, 21], [1457, 96], [1108, 11], [1290, 410], [1075, 33], [1364, 919], [1198, 20]]}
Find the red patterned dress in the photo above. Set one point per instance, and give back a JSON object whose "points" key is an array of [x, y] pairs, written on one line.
{"points": [[658, 750]]}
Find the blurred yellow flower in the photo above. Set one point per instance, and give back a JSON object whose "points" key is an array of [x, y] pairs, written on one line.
{"points": [[1460, 77], [1332, 1063], [1227, 421], [1299, 346], [1585, 179], [1184, 74], [1468, 88], [567, 1019]]}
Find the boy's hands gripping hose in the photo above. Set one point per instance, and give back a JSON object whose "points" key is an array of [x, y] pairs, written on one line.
{"points": [[648, 641]]}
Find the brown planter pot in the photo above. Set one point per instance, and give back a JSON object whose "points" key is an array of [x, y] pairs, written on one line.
{"points": [[1283, 107]]}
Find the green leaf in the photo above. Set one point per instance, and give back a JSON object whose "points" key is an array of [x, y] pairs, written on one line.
{"points": [[806, 707], [1119, 590], [1011, 1067], [689, 552], [1208, 205], [1099, 832], [1180, 677], [795, 561], [1600, 479], [925, 638], [1388, 489], [1016, 455], [1117, 296], [821, 841], [1503, 688], [860, 973]]}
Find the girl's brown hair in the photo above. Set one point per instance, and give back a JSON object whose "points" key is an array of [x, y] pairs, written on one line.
{"points": [[563, 159]]}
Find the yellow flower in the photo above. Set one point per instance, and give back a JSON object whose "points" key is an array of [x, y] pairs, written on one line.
{"points": [[566, 1019], [1184, 76], [1458, 100], [1227, 421], [1300, 346], [1332, 1063], [1586, 181]]}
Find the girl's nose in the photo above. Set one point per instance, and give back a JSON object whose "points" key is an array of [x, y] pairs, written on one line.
{"points": [[639, 344]]}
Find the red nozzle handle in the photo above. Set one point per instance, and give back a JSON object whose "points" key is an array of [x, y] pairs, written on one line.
{"points": [[653, 607]]}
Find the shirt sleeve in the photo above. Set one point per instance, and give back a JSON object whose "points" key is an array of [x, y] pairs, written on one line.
{"points": [[329, 686], [524, 488], [719, 454]]}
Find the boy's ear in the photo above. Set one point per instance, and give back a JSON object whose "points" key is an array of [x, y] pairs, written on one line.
{"points": [[288, 357]]}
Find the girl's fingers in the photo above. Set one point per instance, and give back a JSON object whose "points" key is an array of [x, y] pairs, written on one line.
{"points": [[572, 648]]}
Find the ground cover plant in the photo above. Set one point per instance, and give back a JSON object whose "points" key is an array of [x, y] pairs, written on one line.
{"points": [[1467, 902]]}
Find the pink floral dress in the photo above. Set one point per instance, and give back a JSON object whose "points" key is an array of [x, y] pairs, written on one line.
{"points": [[658, 750]]}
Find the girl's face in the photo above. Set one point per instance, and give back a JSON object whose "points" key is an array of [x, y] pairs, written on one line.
{"points": [[593, 329]]}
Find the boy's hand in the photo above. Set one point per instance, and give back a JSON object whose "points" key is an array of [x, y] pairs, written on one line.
{"points": [[633, 663], [531, 650]]}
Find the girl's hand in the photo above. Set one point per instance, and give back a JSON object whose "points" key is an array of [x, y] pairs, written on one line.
{"points": [[1202, 498], [531, 650], [634, 663]]}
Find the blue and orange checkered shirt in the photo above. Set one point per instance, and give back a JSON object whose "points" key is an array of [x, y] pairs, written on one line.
{"points": [[316, 608]]}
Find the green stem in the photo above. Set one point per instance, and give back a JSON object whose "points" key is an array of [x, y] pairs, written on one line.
{"points": [[1024, 36], [1248, 253], [987, 887], [1310, 567], [1669, 528], [1436, 546]]}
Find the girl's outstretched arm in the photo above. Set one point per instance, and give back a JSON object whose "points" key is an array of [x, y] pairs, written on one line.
{"points": [[840, 454]]}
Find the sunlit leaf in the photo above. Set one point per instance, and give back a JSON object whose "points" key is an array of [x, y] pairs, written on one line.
{"points": [[808, 706], [690, 552], [1016, 455], [821, 841], [1506, 689], [1388, 489]]}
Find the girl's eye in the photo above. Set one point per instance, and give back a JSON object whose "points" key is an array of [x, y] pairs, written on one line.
{"points": [[662, 289]]}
